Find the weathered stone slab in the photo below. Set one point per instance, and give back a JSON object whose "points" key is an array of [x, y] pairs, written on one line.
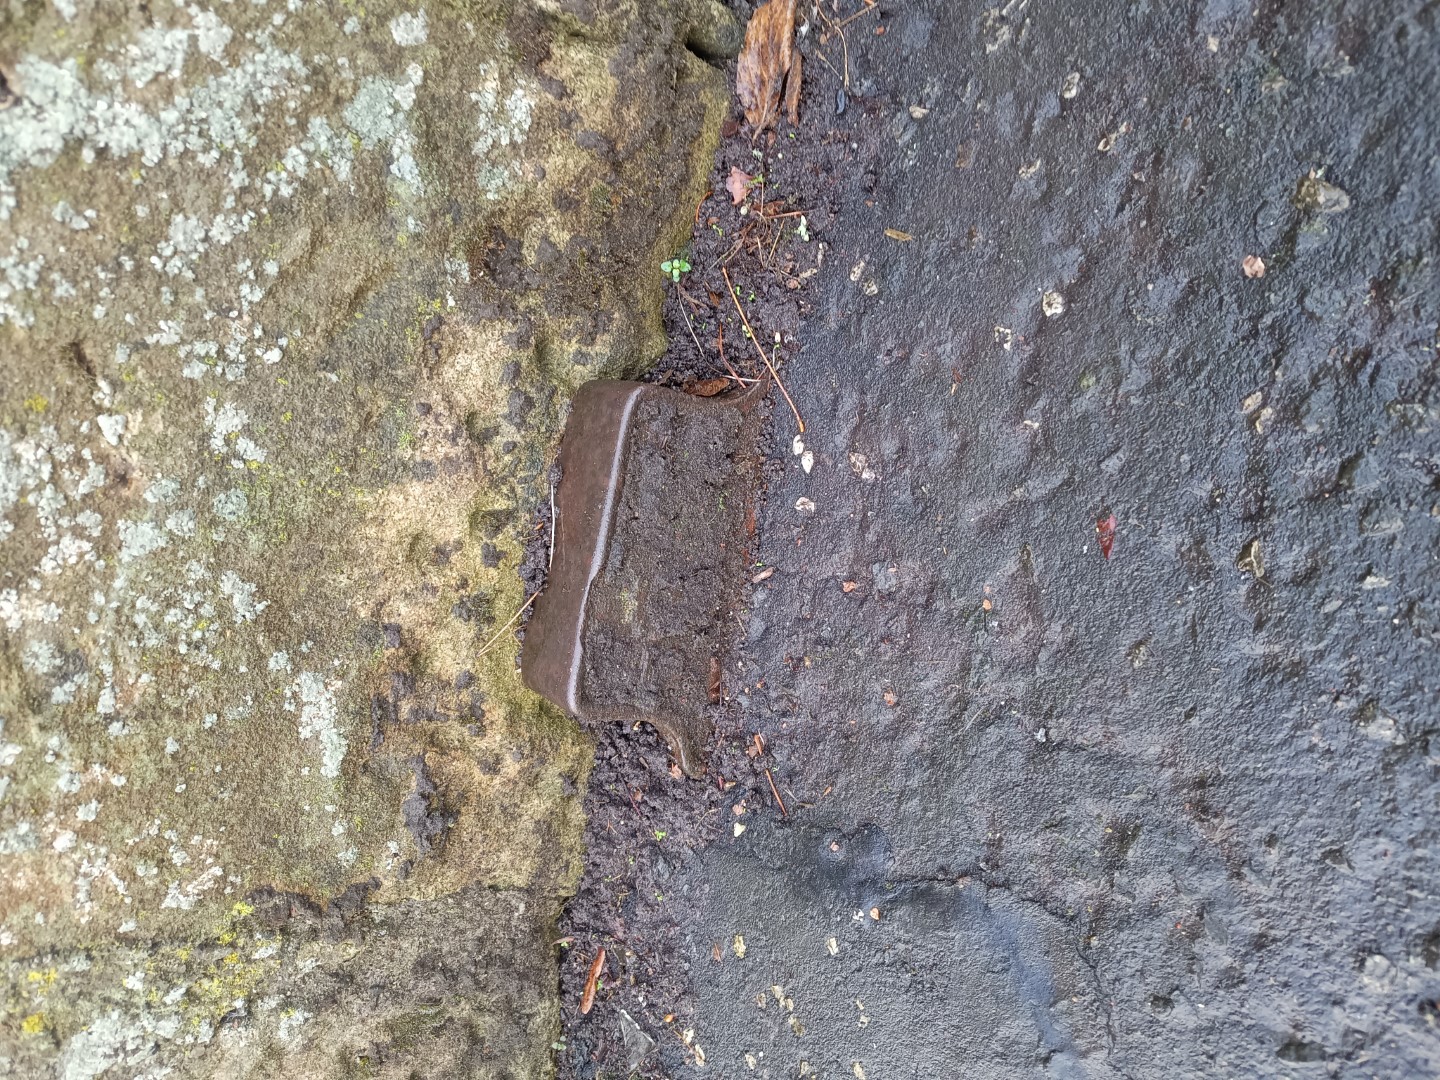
{"points": [[650, 529]]}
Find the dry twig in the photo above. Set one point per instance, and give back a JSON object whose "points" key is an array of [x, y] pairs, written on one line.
{"points": [[509, 622], [776, 792], [748, 329]]}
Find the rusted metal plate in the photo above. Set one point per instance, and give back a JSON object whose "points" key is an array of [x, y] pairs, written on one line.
{"points": [[649, 526]]}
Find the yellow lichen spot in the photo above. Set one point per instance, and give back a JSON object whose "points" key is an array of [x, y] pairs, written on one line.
{"points": [[183, 953], [46, 977], [36, 404], [241, 909], [33, 1024], [226, 938], [231, 959]]}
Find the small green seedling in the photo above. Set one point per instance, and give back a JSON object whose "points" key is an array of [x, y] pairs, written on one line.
{"points": [[675, 267]]}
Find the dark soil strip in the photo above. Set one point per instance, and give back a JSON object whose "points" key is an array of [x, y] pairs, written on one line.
{"points": [[645, 822]]}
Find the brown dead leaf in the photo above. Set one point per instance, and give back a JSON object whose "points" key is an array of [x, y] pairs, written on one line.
{"points": [[792, 91], [587, 999], [738, 184], [766, 58], [896, 234], [1254, 266], [707, 387], [848, 586], [890, 698], [763, 575], [715, 680]]}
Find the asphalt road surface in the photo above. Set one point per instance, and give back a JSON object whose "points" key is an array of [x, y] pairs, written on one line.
{"points": [[1166, 809]]}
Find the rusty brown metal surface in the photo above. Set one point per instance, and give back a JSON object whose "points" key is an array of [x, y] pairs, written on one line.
{"points": [[649, 546]]}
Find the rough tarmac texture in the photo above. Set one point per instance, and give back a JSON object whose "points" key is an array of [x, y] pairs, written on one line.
{"points": [[1169, 812]]}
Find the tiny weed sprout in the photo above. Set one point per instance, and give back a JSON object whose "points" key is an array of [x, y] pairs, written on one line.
{"points": [[675, 267]]}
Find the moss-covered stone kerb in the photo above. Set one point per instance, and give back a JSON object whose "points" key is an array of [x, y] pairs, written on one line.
{"points": [[292, 301]]}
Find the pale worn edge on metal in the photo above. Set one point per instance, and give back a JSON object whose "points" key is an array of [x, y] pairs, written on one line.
{"points": [[602, 543], [593, 455]]}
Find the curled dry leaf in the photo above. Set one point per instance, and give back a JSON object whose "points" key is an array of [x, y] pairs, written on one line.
{"points": [[738, 184], [848, 586], [767, 58], [1254, 266], [792, 91], [897, 234], [763, 575], [706, 387], [715, 680], [587, 999]]}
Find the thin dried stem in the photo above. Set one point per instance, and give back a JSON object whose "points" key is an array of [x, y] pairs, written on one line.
{"points": [[509, 623], [750, 330]]}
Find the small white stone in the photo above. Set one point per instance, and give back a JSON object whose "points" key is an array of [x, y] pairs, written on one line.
{"points": [[804, 505], [797, 446], [807, 461]]}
